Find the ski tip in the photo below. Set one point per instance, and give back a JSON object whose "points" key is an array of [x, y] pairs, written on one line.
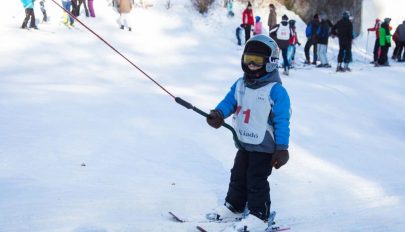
{"points": [[175, 217], [199, 228]]}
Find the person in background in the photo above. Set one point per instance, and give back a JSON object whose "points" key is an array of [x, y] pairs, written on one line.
{"points": [[376, 50], [401, 41], [86, 10], [343, 29], [258, 26], [282, 35], [272, 20], [29, 14], [396, 49], [124, 8], [385, 42], [310, 32], [322, 41], [43, 10], [67, 19], [248, 20], [238, 34], [292, 43], [229, 5], [91, 8]]}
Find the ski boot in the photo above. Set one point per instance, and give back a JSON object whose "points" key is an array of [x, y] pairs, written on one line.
{"points": [[339, 68], [251, 223], [224, 213], [346, 68]]}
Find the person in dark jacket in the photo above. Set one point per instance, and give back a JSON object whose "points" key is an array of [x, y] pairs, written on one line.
{"points": [[281, 33], [310, 32], [401, 41], [323, 33], [343, 29], [385, 42]]}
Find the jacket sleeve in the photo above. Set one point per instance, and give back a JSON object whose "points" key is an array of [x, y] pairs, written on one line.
{"points": [[228, 105], [281, 113]]}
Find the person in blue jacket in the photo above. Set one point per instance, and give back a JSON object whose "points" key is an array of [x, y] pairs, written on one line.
{"points": [[261, 114], [29, 13]]}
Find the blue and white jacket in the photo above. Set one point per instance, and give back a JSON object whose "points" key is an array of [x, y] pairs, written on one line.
{"points": [[277, 137], [28, 4]]}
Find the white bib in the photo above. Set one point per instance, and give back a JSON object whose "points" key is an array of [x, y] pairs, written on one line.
{"points": [[283, 32], [252, 113]]}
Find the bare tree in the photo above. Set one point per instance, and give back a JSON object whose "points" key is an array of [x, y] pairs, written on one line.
{"points": [[202, 5]]}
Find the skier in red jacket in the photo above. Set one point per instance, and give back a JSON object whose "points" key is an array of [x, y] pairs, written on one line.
{"points": [[376, 50], [248, 21]]}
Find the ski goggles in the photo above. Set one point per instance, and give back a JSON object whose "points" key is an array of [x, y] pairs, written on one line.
{"points": [[256, 60]]}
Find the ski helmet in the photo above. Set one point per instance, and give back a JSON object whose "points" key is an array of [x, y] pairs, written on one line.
{"points": [[266, 47], [292, 22]]}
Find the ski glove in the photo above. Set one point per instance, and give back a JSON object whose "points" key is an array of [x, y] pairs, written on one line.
{"points": [[215, 119], [280, 158]]}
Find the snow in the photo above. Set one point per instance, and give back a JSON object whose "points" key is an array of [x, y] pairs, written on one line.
{"points": [[87, 143]]}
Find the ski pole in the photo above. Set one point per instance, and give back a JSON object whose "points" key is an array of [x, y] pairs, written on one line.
{"points": [[177, 99], [366, 46]]}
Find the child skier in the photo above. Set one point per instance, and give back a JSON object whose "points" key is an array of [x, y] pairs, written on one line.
{"points": [[282, 33], [261, 113], [258, 26], [293, 42]]}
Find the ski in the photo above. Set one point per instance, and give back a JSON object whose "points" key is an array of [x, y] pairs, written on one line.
{"points": [[277, 229], [176, 218], [199, 228], [272, 229], [179, 219]]}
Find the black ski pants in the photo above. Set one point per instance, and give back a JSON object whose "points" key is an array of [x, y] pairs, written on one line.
{"points": [[248, 183], [401, 56], [284, 53], [29, 13], [384, 55], [310, 42], [376, 48], [248, 29], [345, 51]]}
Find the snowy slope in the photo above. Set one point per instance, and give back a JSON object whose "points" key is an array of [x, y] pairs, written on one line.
{"points": [[87, 143]]}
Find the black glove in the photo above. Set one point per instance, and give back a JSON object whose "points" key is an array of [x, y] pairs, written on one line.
{"points": [[280, 158], [215, 119]]}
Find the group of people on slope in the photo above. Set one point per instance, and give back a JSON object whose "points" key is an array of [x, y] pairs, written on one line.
{"points": [[123, 7], [318, 31], [383, 42], [251, 23], [72, 6]]}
